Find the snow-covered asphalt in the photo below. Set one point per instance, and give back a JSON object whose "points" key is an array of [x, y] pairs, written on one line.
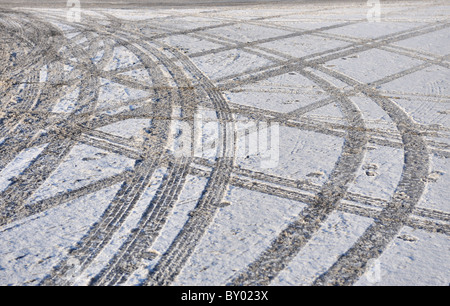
{"points": [[287, 144]]}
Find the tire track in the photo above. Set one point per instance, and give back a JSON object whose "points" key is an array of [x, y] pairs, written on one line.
{"points": [[311, 60], [12, 209], [291, 240], [26, 32], [356, 204], [49, 203], [192, 86], [138, 244], [15, 98], [353, 264], [217, 100], [395, 37], [16, 195], [173, 261], [184, 244], [154, 218], [115, 215], [173, 192]]}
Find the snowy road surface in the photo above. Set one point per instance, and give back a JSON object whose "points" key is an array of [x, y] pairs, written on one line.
{"points": [[269, 145]]}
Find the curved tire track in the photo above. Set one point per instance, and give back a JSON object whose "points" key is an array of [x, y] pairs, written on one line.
{"points": [[346, 271], [354, 263], [291, 240]]}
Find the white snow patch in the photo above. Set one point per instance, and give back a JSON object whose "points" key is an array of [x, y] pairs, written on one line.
{"points": [[30, 248], [334, 238], [238, 235], [429, 81], [366, 68], [83, 165], [380, 173], [121, 58], [139, 75], [284, 93], [246, 32], [296, 151], [68, 103], [427, 112], [113, 96], [437, 192], [190, 44], [304, 45], [18, 165], [435, 43], [421, 261], [127, 128], [228, 63], [373, 29]]}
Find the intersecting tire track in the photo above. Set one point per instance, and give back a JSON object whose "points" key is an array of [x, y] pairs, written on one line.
{"points": [[137, 246], [10, 132], [124, 202], [15, 196], [261, 274], [199, 219], [77, 255], [153, 219], [346, 271], [353, 264], [217, 185], [30, 126], [292, 239]]}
